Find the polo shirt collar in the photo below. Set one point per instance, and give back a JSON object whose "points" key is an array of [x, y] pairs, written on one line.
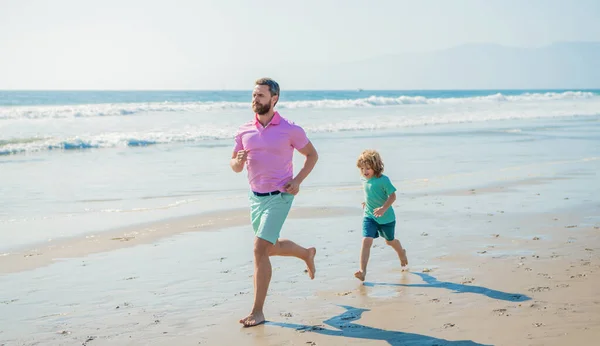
{"points": [[274, 121]]}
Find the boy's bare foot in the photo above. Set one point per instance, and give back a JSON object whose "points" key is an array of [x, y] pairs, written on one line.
{"points": [[310, 262], [403, 258], [360, 275], [254, 319]]}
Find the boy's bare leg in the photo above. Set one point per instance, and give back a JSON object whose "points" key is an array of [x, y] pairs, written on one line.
{"points": [[365, 252], [263, 271], [395, 244]]}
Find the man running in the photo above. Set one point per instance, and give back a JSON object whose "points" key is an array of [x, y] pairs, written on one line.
{"points": [[265, 146]]}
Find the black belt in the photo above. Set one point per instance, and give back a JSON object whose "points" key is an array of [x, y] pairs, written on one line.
{"points": [[262, 194]]}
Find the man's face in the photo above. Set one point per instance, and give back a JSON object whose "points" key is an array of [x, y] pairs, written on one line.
{"points": [[262, 101]]}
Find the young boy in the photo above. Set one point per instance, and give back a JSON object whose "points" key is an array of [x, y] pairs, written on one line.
{"points": [[379, 218]]}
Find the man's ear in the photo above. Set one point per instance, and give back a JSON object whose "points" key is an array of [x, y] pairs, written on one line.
{"points": [[275, 99]]}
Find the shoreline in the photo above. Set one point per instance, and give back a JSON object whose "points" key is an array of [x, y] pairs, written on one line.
{"points": [[42, 254]]}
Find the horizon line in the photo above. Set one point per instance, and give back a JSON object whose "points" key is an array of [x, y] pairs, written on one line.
{"points": [[358, 89]]}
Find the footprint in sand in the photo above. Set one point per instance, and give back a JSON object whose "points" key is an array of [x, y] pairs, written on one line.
{"points": [[88, 339], [539, 289], [123, 238], [500, 312], [467, 281]]}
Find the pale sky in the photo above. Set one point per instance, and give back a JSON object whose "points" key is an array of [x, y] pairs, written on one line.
{"points": [[204, 44]]}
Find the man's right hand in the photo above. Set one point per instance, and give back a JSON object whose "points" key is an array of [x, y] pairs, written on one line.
{"points": [[242, 156], [238, 160]]}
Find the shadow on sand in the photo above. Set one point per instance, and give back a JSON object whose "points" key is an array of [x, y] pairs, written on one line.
{"points": [[431, 282], [345, 327]]}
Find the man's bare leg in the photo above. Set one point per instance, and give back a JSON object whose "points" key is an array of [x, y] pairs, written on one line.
{"points": [[395, 244], [365, 252], [262, 278], [285, 247], [262, 271]]}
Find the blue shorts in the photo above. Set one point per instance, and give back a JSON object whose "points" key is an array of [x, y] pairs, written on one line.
{"points": [[372, 229]]}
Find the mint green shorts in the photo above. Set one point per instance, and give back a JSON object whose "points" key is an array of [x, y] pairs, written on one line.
{"points": [[268, 213]]}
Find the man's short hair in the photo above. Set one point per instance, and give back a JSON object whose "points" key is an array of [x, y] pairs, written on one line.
{"points": [[273, 86]]}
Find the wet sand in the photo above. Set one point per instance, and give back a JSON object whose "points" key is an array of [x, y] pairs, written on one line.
{"points": [[484, 270], [44, 254]]}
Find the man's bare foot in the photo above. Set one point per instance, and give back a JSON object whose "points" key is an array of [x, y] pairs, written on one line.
{"points": [[310, 262], [360, 275], [254, 319], [403, 258]]}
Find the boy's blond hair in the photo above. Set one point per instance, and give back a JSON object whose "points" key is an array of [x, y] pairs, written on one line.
{"points": [[371, 159]]}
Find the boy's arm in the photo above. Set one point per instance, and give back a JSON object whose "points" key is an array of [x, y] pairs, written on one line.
{"points": [[388, 203]]}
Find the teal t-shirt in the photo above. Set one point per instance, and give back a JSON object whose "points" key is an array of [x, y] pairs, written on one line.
{"points": [[377, 190]]}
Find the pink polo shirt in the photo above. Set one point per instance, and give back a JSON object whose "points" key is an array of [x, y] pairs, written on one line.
{"points": [[270, 151]]}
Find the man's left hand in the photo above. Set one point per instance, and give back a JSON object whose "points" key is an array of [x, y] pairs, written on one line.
{"points": [[292, 187]]}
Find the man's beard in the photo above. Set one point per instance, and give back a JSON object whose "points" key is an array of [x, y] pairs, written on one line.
{"points": [[261, 109]]}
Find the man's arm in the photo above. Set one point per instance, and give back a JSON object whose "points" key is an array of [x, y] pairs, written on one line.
{"points": [[312, 157], [238, 159], [239, 156], [309, 151]]}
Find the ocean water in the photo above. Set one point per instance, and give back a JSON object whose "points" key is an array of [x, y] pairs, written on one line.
{"points": [[78, 162]]}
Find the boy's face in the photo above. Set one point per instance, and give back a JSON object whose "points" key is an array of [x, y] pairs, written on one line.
{"points": [[367, 172]]}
